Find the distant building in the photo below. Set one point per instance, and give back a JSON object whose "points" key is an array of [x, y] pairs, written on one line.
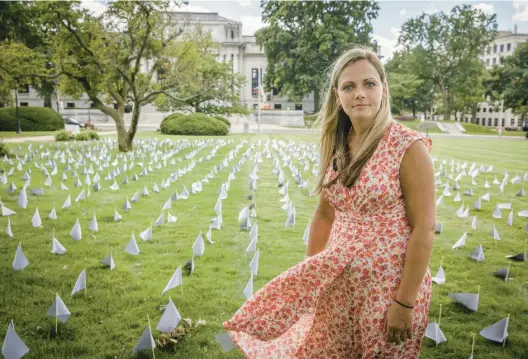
{"points": [[488, 114], [245, 55]]}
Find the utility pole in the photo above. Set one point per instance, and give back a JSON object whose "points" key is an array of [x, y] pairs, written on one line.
{"points": [[500, 118]]}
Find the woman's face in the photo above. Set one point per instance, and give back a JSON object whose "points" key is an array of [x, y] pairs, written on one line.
{"points": [[360, 91]]}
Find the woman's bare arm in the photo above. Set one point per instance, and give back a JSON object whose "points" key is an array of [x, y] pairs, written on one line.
{"points": [[320, 228], [417, 183]]}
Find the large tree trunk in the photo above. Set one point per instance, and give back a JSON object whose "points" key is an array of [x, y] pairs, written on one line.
{"points": [[47, 99], [474, 113], [317, 100], [123, 138]]}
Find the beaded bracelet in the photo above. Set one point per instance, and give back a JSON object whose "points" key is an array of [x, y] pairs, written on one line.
{"points": [[403, 305]]}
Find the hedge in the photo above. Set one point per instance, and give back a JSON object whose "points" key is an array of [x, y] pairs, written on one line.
{"points": [[64, 135], [194, 124], [224, 120], [31, 119]]}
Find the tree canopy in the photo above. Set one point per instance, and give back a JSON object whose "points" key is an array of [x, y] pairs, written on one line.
{"points": [[303, 38]]}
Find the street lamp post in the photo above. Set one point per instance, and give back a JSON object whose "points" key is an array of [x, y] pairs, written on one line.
{"points": [[19, 126], [500, 117]]}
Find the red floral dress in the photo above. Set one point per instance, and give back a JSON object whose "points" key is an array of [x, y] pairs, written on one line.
{"points": [[333, 305]]}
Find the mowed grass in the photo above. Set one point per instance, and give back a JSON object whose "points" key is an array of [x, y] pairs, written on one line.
{"points": [[108, 321]]}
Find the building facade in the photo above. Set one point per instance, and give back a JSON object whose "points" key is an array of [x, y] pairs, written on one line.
{"points": [[489, 114], [245, 56]]}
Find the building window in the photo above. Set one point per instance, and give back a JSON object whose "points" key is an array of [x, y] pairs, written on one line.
{"points": [[495, 49], [298, 106], [24, 104], [512, 122], [508, 47], [224, 58], [254, 82], [502, 48], [70, 104], [496, 122], [277, 106], [115, 106], [490, 110], [489, 121], [92, 105], [478, 121], [23, 89], [488, 50], [487, 62], [232, 35], [502, 122], [494, 61], [484, 109]]}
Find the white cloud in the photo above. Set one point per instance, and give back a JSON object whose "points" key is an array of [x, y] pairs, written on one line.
{"points": [[521, 10], [95, 7], [403, 12], [250, 24], [486, 8], [388, 46]]}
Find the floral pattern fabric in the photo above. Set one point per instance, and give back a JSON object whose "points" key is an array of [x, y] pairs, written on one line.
{"points": [[333, 305]]}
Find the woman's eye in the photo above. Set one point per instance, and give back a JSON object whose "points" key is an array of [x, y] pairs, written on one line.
{"points": [[370, 84], [347, 87]]}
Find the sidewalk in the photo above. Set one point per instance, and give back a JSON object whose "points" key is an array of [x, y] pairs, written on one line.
{"points": [[44, 138]]}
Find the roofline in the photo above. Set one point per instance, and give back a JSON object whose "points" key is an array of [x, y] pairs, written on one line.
{"points": [[203, 13]]}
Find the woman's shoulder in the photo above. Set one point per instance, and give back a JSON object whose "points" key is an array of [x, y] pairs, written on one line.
{"points": [[403, 136]]}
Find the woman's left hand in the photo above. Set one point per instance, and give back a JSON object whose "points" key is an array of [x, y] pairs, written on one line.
{"points": [[398, 323]]}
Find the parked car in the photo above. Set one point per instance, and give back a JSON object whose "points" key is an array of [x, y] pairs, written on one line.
{"points": [[72, 121]]}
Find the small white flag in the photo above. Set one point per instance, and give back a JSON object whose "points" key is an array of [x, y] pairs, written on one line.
{"points": [[76, 231], [80, 284], [36, 222], [20, 262], [170, 318], [13, 347], [175, 280], [132, 247], [59, 310]]}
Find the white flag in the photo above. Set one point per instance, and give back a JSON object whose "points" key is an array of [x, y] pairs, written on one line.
{"points": [[170, 318], [145, 341], [80, 284], [13, 347], [53, 214], [59, 310], [108, 261], [57, 248], [76, 231], [20, 262], [171, 218], [36, 222], [93, 224], [146, 235], [253, 265], [67, 203], [160, 220], [7, 212], [175, 280], [199, 246], [8, 230], [248, 290]]}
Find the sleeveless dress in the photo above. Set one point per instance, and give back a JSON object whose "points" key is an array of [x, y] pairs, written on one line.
{"points": [[333, 305]]}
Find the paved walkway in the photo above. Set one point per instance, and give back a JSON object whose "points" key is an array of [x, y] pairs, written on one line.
{"points": [[43, 138]]}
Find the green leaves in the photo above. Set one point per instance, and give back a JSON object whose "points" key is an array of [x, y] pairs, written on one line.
{"points": [[303, 38]]}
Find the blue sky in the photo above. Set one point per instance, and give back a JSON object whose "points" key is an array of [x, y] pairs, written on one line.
{"points": [[386, 27]]}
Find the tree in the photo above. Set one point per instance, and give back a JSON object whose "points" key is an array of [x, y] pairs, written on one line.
{"points": [[214, 88], [510, 81], [17, 63], [406, 89], [105, 56], [471, 91], [20, 22], [303, 38], [447, 48]]}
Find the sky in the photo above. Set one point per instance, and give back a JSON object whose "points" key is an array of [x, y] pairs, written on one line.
{"points": [[386, 26]]}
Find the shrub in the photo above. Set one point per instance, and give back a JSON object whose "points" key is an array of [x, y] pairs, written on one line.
{"points": [[194, 124], [31, 119], [128, 107], [93, 135], [224, 120], [83, 136], [164, 124], [63, 135], [4, 151]]}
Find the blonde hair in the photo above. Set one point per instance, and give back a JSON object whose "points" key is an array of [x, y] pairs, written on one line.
{"points": [[336, 124]]}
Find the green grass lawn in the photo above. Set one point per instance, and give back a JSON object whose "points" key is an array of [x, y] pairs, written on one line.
{"points": [[421, 126], [108, 321], [26, 134], [472, 129]]}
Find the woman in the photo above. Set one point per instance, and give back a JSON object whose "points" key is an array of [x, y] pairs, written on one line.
{"points": [[364, 289]]}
